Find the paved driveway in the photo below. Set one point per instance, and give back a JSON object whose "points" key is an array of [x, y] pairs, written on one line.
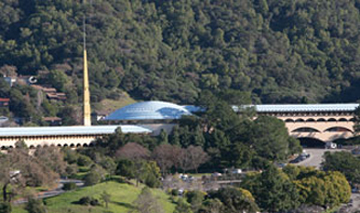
{"points": [[316, 156]]}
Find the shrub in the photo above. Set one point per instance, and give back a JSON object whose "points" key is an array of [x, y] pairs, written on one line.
{"points": [[69, 186], [174, 192], [84, 160], [92, 178], [89, 201], [84, 201], [5, 207]]}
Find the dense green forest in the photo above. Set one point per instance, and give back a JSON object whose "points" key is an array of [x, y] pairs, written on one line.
{"points": [[280, 51]]}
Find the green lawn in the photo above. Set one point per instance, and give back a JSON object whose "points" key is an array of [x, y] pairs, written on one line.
{"points": [[122, 197]]}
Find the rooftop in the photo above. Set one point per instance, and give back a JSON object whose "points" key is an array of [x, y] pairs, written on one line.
{"points": [[303, 107], [69, 130], [149, 110]]}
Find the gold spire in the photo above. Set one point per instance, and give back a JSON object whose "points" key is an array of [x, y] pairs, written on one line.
{"points": [[87, 109]]}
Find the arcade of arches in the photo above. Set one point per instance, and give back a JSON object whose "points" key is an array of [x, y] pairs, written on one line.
{"points": [[323, 126], [51, 140]]}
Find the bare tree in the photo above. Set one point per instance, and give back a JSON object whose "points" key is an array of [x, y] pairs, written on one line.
{"points": [[192, 158], [163, 155], [52, 157], [176, 157], [147, 203], [184, 160], [133, 151], [19, 169]]}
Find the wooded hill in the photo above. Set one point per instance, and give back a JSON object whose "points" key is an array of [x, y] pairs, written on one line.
{"points": [[280, 51]]}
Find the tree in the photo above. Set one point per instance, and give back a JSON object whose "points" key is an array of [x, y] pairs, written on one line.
{"points": [[109, 165], [213, 206], [115, 140], [5, 207], [271, 138], [235, 200], [52, 157], [150, 174], [195, 198], [174, 137], [35, 205], [106, 197], [126, 168], [19, 169], [327, 189], [163, 137], [133, 151], [94, 176], [137, 154], [147, 203], [183, 207], [273, 191], [58, 79], [343, 162], [164, 155], [192, 158]]}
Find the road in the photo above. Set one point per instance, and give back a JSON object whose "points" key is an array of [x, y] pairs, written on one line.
{"points": [[51, 193], [315, 158]]}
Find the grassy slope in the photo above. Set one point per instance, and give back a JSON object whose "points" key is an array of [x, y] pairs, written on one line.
{"points": [[109, 105], [122, 196]]}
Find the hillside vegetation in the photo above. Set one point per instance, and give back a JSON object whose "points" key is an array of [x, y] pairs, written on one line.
{"points": [[122, 198], [279, 51]]}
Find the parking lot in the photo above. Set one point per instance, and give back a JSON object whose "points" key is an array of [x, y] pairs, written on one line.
{"points": [[315, 158]]}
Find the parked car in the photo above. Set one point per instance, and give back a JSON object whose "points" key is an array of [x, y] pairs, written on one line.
{"points": [[355, 190], [355, 151], [236, 171], [216, 174]]}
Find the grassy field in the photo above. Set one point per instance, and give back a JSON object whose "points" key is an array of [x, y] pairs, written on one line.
{"points": [[122, 197]]}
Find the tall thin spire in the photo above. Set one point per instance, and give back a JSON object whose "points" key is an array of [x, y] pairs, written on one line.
{"points": [[87, 109]]}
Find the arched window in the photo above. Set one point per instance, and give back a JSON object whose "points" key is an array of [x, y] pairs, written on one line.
{"points": [[85, 145], [299, 120], [332, 119], [321, 120], [343, 120], [337, 129], [32, 147], [305, 129], [72, 145], [78, 145], [289, 120], [310, 120]]}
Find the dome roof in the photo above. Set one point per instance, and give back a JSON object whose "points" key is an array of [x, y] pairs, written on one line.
{"points": [[149, 110]]}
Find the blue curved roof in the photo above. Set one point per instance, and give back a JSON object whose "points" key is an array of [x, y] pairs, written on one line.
{"points": [[149, 110]]}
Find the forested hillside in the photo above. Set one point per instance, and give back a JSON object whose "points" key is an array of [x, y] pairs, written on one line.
{"points": [[280, 51]]}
